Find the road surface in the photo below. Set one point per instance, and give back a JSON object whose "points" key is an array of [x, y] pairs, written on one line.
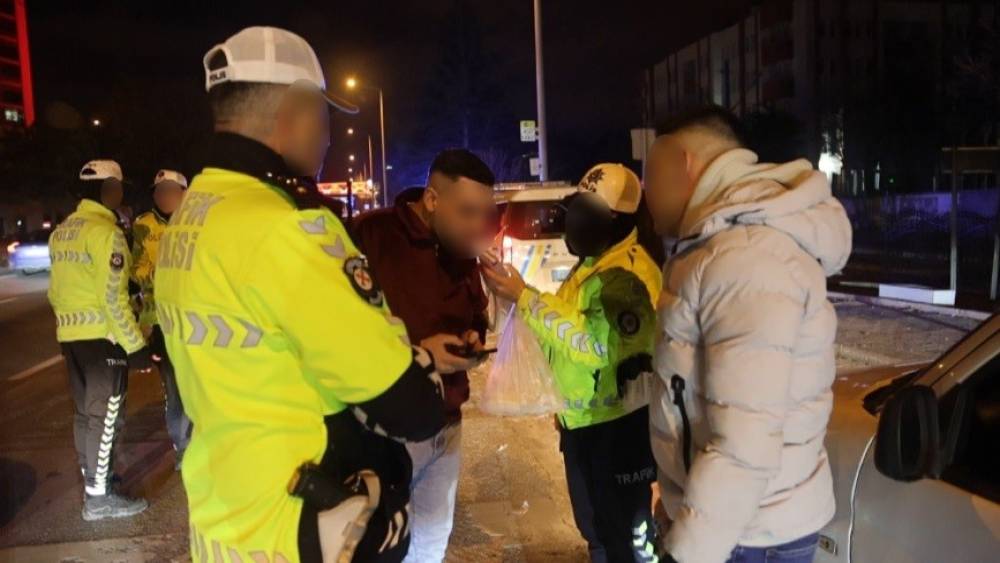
{"points": [[512, 501]]}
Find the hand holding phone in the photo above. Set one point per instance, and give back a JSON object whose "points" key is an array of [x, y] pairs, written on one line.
{"points": [[469, 352]]}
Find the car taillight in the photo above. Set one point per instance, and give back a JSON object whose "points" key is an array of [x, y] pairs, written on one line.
{"points": [[12, 247]]}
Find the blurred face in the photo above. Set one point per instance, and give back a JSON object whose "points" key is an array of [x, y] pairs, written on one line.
{"points": [[302, 131], [167, 195], [112, 193], [669, 183], [462, 213]]}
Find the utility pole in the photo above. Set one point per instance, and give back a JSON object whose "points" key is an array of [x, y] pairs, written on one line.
{"points": [[381, 121], [371, 164], [543, 151], [953, 219]]}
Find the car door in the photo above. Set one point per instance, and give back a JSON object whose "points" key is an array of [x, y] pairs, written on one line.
{"points": [[955, 518]]}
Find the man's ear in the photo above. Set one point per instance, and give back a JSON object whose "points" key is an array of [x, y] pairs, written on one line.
{"points": [[430, 198]]}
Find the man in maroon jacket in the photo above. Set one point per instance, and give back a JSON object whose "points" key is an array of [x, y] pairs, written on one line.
{"points": [[423, 254]]}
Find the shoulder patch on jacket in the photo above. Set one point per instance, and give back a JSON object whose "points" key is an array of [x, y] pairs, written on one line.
{"points": [[629, 323], [117, 261], [364, 284]]}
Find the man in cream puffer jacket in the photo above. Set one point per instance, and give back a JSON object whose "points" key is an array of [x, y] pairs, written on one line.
{"points": [[744, 354]]}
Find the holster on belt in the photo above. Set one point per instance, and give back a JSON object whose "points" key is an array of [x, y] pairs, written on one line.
{"points": [[343, 509]]}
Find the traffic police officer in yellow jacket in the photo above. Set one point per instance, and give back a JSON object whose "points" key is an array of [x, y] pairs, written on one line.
{"points": [[97, 331], [598, 332], [168, 191], [294, 372]]}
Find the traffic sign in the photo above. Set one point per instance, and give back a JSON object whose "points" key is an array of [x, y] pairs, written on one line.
{"points": [[529, 131], [534, 166]]}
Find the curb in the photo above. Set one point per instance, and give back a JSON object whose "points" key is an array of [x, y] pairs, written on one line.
{"points": [[865, 357], [922, 307]]}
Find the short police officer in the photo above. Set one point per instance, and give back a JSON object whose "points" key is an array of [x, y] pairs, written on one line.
{"points": [[97, 331], [168, 191]]}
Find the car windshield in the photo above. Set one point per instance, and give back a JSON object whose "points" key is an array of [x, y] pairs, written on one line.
{"points": [[530, 220]]}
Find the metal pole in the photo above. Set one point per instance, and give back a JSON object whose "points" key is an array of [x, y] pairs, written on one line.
{"points": [[350, 198], [543, 152], [996, 267], [381, 120], [371, 164], [954, 219]]}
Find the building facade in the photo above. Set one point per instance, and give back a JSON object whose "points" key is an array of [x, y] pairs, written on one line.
{"points": [[826, 63], [17, 103]]}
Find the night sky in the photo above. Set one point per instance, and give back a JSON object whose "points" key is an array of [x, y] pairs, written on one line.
{"points": [[101, 57]]}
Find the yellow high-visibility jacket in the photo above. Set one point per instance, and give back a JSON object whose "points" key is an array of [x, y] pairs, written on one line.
{"points": [[89, 283], [602, 316], [272, 322], [146, 233]]}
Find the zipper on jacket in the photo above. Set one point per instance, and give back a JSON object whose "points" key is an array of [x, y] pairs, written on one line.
{"points": [[677, 386]]}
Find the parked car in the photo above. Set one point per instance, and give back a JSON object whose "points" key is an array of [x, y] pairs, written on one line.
{"points": [[915, 452], [531, 239], [30, 253]]}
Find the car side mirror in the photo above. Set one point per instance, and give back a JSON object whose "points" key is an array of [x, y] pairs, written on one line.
{"points": [[907, 443]]}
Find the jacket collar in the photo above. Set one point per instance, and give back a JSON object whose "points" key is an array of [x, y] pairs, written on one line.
{"points": [[91, 206], [159, 215], [414, 226], [612, 253], [237, 153], [230, 151]]}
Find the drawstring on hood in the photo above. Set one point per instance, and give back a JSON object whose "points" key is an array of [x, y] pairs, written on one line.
{"points": [[792, 197]]}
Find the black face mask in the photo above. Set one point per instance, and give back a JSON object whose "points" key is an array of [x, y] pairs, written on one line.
{"points": [[587, 226], [592, 228]]}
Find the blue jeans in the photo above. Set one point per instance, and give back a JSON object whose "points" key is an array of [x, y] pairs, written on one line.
{"points": [[801, 550], [432, 500]]}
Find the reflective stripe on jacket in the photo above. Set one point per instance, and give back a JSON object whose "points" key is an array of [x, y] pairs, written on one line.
{"points": [[89, 283], [146, 233], [601, 316], [272, 322]]}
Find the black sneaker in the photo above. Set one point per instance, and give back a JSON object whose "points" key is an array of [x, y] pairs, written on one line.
{"points": [[112, 505]]}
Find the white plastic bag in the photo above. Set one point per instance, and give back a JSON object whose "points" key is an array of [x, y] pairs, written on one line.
{"points": [[520, 382]]}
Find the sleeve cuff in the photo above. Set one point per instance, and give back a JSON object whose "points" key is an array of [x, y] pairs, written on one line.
{"points": [[526, 300]]}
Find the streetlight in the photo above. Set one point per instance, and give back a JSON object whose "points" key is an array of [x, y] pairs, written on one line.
{"points": [[96, 122], [351, 158], [352, 83], [350, 130]]}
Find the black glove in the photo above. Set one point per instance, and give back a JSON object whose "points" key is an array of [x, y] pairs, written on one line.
{"points": [[140, 359], [631, 368]]}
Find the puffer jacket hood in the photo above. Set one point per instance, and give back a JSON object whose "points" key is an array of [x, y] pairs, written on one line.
{"points": [[791, 197]]}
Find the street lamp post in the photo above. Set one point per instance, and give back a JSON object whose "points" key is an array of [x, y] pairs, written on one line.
{"points": [[352, 83], [543, 149], [371, 162]]}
